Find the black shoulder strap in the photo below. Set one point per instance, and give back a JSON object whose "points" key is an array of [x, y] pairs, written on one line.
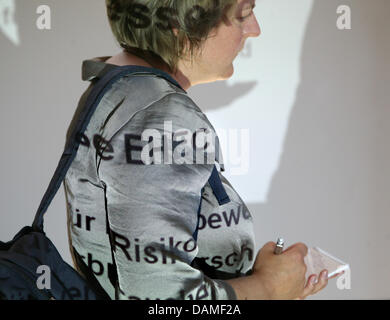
{"points": [[105, 80]]}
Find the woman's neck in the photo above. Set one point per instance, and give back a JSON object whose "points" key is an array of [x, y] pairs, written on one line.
{"points": [[125, 58]]}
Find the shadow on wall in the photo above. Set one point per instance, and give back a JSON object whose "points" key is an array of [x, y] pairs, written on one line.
{"points": [[330, 188], [222, 95]]}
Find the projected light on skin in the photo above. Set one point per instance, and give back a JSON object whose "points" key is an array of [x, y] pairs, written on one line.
{"points": [[8, 25]]}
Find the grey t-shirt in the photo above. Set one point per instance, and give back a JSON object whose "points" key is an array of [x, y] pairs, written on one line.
{"points": [[170, 236]]}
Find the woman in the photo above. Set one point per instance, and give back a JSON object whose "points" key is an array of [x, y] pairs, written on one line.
{"points": [[148, 228]]}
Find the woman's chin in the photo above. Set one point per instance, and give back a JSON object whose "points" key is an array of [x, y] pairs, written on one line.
{"points": [[230, 71], [226, 74]]}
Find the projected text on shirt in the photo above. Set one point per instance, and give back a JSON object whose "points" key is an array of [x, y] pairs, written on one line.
{"points": [[164, 146], [179, 147]]}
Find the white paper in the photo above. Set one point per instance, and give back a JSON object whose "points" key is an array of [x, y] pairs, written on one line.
{"points": [[317, 260]]}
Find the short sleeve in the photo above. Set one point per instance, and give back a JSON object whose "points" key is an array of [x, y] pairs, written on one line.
{"points": [[152, 206]]}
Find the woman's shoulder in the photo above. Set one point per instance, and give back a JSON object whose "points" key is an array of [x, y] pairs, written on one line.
{"points": [[147, 101], [141, 101], [139, 90]]}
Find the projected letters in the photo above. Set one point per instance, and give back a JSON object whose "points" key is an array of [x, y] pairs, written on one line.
{"points": [[7, 23]]}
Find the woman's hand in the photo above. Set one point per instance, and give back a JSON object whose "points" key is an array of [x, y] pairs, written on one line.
{"points": [[314, 285], [283, 275], [278, 276]]}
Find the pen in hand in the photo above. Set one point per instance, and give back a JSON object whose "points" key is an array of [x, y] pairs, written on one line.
{"points": [[279, 246]]}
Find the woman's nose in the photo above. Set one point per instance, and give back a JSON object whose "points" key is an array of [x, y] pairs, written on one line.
{"points": [[253, 28]]}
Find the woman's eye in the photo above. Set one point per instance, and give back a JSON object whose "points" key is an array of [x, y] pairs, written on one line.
{"points": [[243, 18]]}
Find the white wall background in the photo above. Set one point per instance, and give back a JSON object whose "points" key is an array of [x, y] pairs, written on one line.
{"points": [[315, 100]]}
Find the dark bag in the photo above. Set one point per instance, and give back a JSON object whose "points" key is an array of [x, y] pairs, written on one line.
{"points": [[21, 257]]}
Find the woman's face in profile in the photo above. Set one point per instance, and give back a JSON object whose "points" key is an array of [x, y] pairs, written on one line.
{"points": [[224, 43]]}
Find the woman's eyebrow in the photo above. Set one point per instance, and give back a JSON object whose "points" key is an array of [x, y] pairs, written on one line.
{"points": [[244, 4]]}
